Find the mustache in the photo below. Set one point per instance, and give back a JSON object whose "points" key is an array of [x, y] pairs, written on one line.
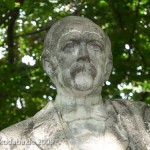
{"points": [[82, 67]]}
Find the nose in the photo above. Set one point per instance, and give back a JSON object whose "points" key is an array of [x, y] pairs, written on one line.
{"points": [[83, 53]]}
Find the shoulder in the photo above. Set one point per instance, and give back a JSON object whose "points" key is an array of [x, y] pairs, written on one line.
{"points": [[131, 106], [14, 133], [21, 127], [132, 110], [134, 116], [43, 126]]}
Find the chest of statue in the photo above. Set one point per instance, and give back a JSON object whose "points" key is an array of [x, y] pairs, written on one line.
{"points": [[91, 128], [94, 129], [92, 134]]}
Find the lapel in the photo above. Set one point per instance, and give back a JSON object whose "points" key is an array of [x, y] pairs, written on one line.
{"points": [[47, 131], [131, 116]]}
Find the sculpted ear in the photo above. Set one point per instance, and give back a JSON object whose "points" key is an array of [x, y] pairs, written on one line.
{"points": [[49, 64], [108, 69], [109, 58]]}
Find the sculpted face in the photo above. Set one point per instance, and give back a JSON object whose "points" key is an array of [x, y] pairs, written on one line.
{"points": [[81, 57]]}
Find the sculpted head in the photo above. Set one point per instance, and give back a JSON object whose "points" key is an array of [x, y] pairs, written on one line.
{"points": [[77, 56]]}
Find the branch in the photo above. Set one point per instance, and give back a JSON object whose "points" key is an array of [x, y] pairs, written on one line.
{"points": [[141, 56], [10, 32], [134, 28], [134, 24], [10, 39], [118, 16], [77, 11], [46, 27], [9, 13], [3, 20]]}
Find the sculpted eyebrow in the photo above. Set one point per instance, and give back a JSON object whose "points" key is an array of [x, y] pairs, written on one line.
{"points": [[97, 41], [72, 38], [90, 37]]}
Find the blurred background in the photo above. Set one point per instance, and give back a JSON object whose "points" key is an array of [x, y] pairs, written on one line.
{"points": [[24, 86]]}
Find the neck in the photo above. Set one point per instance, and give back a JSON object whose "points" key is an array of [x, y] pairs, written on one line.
{"points": [[67, 100], [73, 108]]}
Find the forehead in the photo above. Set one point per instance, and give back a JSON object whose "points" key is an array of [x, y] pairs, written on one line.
{"points": [[82, 27], [78, 35], [81, 30], [68, 25]]}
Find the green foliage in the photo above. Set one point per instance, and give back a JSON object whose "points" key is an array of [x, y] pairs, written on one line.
{"points": [[25, 88], [10, 4]]}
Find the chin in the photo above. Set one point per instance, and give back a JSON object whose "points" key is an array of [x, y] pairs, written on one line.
{"points": [[82, 84], [83, 81]]}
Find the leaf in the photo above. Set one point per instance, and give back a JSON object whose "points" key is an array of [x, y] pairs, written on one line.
{"points": [[17, 4], [10, 4]]}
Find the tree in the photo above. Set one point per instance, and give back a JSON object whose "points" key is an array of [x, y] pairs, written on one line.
{"points": [[25, 88]]}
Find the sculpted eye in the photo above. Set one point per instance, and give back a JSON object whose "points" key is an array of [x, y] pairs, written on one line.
{"points": [[95, 46], [70, 47]]}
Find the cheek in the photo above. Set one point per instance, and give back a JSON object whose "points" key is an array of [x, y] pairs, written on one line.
{"points": [[99, 63], [99, 59], [65, 60]]}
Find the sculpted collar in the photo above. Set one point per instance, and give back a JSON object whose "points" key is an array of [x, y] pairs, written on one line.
{"points": [[78, 108], [67, 100]]}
